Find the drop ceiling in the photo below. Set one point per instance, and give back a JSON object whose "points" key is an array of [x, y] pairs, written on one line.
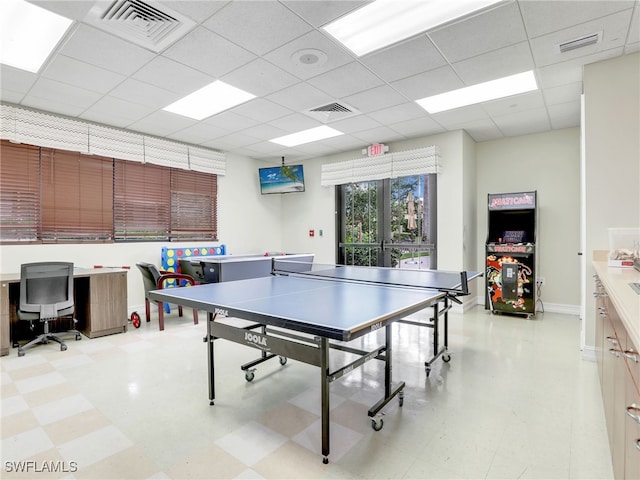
{"points": [[276, 50]]}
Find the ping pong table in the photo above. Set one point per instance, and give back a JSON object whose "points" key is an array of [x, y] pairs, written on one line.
{"points": [[303, 311]]}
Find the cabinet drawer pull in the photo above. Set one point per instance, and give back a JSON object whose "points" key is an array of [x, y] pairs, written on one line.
{"points": [[612, 340], [614, 351], [633, 411], [631, 355]]}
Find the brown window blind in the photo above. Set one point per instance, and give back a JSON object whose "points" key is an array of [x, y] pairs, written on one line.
{"points": [[77, 193], [142, 200], [19, 192], [193, 205]]}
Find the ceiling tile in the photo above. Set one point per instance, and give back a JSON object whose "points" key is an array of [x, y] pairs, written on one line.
{"points": [[492, 30], [320, 12], [546, 49], [569, 93], [429, 83], [300, 97], [108, 106], [161, 124], [355, 124], [424, 125], [260, 78], [406, 59], [258, 26], [203, 50], [544, 17], [80, 74], [62, 93], [261, 110], [173, 76], [523, 123], [295, 123], [452, 119], [19, 81], [499, 63], [142, 93], [375, 99], [285, 57], [345, 80], [514, 103], [116, 55], [198, 10], [398, 113]]}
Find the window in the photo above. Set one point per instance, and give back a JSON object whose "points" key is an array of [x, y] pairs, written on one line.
{"points": [[77, 197], [19, 192], [193, 206], [56, 196], [141, 204]]}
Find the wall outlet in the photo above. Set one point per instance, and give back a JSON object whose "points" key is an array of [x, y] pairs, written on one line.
{"points": [[540, 281]]}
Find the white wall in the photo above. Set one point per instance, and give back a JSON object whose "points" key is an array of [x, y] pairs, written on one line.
{"points": [[612, 159], [550, 164]]}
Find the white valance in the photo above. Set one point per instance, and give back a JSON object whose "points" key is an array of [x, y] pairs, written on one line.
{"points": [[419, 161], [21, 125]]}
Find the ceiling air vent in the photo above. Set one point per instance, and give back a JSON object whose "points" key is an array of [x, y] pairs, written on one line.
{"points": [[580, 42], [332, 111], [140, 22]]}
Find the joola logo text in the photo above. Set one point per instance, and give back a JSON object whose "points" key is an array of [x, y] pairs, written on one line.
{"points": [[376, 326], [256, 339]]}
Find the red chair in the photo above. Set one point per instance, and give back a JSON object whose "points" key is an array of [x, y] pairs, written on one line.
{"points": [[154, 279]]}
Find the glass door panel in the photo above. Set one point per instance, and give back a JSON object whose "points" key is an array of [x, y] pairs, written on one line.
{"points": [[390, 223]]}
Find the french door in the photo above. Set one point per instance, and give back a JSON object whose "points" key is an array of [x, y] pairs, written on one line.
{"points": [[388, 223]]}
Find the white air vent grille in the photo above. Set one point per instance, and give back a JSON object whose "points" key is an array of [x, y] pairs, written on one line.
{"points": [[140, 22], [580, 42], [332, 111]]}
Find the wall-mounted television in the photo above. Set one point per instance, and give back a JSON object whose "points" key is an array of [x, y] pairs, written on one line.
{"points": [[282, 179]]}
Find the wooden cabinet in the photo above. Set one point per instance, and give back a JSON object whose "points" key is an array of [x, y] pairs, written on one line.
{"points": [[100, 304], [619, 370]]}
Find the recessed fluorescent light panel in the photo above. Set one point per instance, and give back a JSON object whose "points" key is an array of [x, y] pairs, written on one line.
{"points": [[482, 92], [209, 100], [28, 34], [385, 22], [307, 136]]}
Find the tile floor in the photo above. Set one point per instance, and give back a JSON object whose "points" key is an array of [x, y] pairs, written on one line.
{"points": [[515, 401]]}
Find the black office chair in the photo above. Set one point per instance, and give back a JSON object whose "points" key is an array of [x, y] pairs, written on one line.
{"points": [[154, 279], [46, 293]]}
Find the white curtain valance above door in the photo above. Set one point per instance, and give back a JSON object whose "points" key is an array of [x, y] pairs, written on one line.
{"points": [[419, 161]]}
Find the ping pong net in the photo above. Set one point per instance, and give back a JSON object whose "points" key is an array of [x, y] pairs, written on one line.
{"points": [[452, 283]]}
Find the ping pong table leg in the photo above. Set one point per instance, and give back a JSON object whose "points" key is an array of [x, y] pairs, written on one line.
{"points": [[324, 368], [212, 389]]}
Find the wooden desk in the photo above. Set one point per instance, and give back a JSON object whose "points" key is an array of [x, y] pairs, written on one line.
{"points": [[100, 301]]}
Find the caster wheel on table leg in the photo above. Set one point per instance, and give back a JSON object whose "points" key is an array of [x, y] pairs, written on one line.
{"points": [[249, 375], [283, 360], [446, 358], [377, 424]]}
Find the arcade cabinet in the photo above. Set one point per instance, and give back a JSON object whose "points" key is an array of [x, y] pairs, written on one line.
{"points": [[511, 255]]}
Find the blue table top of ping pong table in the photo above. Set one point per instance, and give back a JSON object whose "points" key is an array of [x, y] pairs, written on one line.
{"points": [[361, 300]]}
